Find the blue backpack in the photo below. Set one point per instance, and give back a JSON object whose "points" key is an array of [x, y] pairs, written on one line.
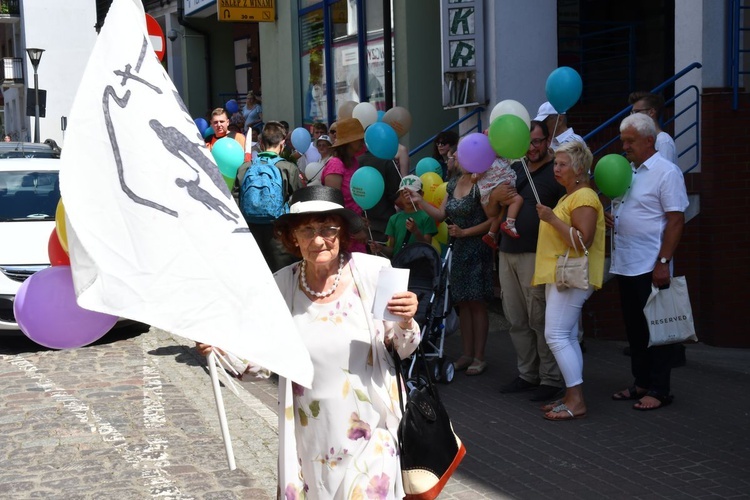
{"points": [[262, 193]]}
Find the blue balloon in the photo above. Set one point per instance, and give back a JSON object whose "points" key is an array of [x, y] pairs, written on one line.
{"points": [[228, 155], [202, 124], [232, 107], [381, 140], [208, 132], [301, 139], [429, 164], [381, 114], [367, 186], [563, 88]]}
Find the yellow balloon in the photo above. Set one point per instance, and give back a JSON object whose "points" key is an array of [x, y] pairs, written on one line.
{"points": [[430, 182], [62, 231], [439, 194], [436, 245], [442, 234]]}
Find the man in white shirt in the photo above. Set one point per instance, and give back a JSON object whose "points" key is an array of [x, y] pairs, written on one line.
{"points": [[557, 125], [647, 224]]}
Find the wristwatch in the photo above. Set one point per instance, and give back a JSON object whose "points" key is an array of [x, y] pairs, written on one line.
{"points": [[663, 260]]}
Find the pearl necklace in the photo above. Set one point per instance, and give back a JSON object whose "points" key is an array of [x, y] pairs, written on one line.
{"points": [[324, 293]]}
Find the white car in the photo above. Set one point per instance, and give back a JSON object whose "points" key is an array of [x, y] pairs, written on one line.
{"points": [[29, 192]]}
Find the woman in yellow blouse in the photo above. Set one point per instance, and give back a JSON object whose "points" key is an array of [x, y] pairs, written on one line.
{"points": [[581, 210]]}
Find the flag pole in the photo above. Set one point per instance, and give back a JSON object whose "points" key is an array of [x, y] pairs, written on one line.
{"points": [[220, 407]]}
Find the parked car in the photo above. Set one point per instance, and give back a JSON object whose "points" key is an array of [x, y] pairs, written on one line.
{"points": [[29, 193], [46, 149]]}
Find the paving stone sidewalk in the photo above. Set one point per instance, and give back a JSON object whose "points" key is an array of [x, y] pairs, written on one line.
{"points": [[134, 417]]}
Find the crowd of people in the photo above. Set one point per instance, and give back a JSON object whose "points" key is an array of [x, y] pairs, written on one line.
{"points": [[519, 216]]}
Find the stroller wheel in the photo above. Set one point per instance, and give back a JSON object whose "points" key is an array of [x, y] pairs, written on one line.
{"points": [[447, 371]]}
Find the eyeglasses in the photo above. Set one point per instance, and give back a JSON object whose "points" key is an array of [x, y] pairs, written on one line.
{"points": [[642, 110], [441, 143], [538, 142], [327, 233], [332, 131]]}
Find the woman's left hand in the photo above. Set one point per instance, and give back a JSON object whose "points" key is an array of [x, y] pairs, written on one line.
{"points": [[455, 231], [545, 213], [403, 305]]}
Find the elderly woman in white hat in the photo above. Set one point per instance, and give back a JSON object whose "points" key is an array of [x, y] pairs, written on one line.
{"points": [[340, 436]]}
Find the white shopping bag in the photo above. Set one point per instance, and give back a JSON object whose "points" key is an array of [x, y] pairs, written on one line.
{"points": [[669, 315]]}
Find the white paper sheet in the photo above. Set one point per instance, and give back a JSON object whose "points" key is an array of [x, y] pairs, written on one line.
{"points": [[390, 281]]}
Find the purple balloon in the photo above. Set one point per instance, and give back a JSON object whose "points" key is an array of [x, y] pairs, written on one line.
{"points": [[46, 311], [475, 153]]}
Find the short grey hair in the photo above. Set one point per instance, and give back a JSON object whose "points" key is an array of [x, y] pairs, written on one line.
{"points": [[643, 124], [580, 155]]}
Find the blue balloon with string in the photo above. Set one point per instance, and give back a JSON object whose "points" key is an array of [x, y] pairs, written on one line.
{"points": [[367, 186], [563, 88], [381, 140]]}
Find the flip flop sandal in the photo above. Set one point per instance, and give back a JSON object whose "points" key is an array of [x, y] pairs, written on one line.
{"points": [[551, 405], [562, 409], [476, 368], [663, 401], [632, 394]]}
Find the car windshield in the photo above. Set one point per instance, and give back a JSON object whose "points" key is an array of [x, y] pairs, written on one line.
{"points": [[28, 195]]}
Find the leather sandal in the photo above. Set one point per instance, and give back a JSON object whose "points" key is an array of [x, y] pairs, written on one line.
{"points": [[629, 394]]}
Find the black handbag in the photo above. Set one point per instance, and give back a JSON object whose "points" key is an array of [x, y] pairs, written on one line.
{"points": [[429, 449]]}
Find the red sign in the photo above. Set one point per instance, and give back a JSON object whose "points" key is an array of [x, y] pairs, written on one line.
{"points": [[156, 35]]}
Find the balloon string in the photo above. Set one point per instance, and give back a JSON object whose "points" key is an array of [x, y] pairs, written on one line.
{"points": [[531, 182], [554, 130], [369, 230]]}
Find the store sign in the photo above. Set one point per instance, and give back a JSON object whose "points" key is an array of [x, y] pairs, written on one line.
{"points": [[194, 6], [462, 52], [257, 11]]}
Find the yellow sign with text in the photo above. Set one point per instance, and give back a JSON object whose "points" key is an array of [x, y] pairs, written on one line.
{"points": [[255, 11]]}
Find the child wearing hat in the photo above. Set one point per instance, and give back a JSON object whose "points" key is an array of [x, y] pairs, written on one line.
{"points": [[408, 225]]}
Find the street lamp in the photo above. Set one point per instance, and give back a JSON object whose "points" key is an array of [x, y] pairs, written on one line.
{"points": [[35, 55]]}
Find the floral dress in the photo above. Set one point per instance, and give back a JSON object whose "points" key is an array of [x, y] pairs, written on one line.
{"points": [[342, 440], [471, 266]]}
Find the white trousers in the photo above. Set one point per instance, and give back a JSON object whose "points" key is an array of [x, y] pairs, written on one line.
{"points": [[561, 330]]}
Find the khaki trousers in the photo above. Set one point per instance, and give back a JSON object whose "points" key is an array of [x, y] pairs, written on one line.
{"points": [[524, 306]]}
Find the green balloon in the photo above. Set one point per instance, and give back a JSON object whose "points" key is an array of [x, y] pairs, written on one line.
{"points": [[509, 136], [613, 175]]}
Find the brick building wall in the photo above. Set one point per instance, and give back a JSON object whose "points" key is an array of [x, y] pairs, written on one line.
{"points": [[713, 253]]}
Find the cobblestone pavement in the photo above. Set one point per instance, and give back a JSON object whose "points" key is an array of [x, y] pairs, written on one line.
{"points": [[134, 417]]}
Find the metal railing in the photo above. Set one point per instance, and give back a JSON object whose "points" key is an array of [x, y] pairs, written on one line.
{"points": [[478, 127], [736, 54], [10, 7], [689, 128], [604, 58], [12, 71]]}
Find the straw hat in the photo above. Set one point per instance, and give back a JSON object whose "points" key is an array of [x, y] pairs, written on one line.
{"points": [[348, 130]]}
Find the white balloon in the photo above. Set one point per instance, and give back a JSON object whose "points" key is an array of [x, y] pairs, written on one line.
{"points": [[365, 113], [510, 107], [311, 172]]}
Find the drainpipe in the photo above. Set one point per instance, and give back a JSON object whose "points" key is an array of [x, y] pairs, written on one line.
{"points": [[181, 20]]}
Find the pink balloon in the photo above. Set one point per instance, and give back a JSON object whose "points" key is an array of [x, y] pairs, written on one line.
{"points": [[475, 154], [46, 311]]}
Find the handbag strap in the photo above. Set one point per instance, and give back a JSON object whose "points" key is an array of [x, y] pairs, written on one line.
{"points": [[580, 239], [401, 380]]}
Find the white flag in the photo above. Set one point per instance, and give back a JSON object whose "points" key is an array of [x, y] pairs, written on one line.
{"points": [[154, 234]]}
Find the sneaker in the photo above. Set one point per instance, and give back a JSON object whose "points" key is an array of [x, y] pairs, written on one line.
{"points": [[509, 230], [546, 393], [490, 241], [518, 385]]}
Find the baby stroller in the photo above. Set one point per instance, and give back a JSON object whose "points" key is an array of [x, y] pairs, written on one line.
{"points": [[429, 279]]}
